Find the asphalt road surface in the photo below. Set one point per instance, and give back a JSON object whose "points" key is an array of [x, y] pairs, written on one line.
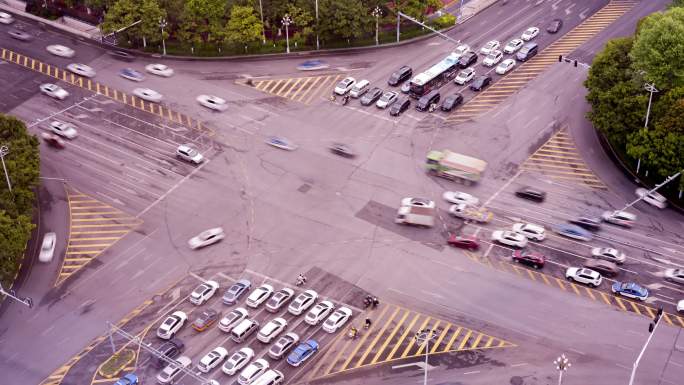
{"points": [[290, 212]]}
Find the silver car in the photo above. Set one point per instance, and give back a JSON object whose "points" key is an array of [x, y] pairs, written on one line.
{"points": [[675, 275], [170, 372], [81, 69], [47, 250]]}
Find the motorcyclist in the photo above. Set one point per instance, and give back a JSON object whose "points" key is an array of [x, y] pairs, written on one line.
{"points": [[352, 332], [375, 302], [345, 99], [301, 279], [368, 323]]}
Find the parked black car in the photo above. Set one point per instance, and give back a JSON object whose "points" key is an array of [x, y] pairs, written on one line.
{"points": [[481, 83], [169, 349], [554, 26], [122, 55], [467, 59], [531, 194], [399, 76], [371, 96], [400, 106], [451, 101]]}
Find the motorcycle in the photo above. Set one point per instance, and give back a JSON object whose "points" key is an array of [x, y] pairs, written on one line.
{"points": [[353, 333], [345, 100]]}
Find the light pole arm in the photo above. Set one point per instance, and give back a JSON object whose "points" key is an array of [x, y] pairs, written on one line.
{"points": [[666, 181], [636, 363]]}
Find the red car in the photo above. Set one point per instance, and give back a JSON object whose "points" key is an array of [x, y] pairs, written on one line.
{"points": [[531, 258], [52, 140], [469, 242]]}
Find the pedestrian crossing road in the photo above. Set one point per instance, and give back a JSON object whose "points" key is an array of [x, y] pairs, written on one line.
{"points": [[527, 71], [559, 159]]}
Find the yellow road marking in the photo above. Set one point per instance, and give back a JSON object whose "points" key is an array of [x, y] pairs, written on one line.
{"points": [[377, 337], [363, 339], [403, 336], [413, 340], [441, 337], [422, 346], [465, 340], [477, 341], [389, 338]]}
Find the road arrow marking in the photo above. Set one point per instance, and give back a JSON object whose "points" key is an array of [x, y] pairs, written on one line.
{"points": [[419, 364], [568, 10], [583, 14]]}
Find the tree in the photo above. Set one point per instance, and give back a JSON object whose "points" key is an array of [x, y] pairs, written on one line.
{"points": [[301, 18], [676, 3], [126, 12], [658, 48], [203, 21], [417, 9], [244, 26], [343, 19], [23, 168]]}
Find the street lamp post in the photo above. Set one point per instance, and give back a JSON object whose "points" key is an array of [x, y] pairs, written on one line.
{"points": [[651, 330], [4, 150], [425, 336], [263, 29], [286, 22], [317, 44], [28, 301], [162, 25], [376, 13], [650, 87], [562, 364]]}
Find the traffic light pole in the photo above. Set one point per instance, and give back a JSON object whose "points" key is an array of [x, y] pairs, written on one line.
{"points": [[651, 329], [26, 301]]}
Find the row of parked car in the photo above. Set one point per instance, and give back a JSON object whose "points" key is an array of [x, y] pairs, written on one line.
{"points": [[240, 325]]}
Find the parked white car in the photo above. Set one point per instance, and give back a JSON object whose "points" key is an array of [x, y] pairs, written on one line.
{"points": [[674, 275], [171, 325], [302, 302], [620, 218], [530, 231], [252, 371], [159, 70], [464, 76], [462, 50], [259, 295], [212, 359], [81, 70], [509, 238], [609, 254], [212, 102], [173, 370], [271, 330], [189, 154], [237, 361], [233, 319], [337, 319], [491, 45], [64, 129], [418, 202], [319, 312], [530, 33], [53, 91], [206, 238], [505, 66], [513, 46], [586, 276], [148, 94], [47, 249], [345, 85], [457, 197], [492, 58], [203, 292], [60, 50], [653, 199]]}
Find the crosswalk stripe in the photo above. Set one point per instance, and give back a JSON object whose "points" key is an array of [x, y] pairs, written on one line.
{"points": [[390, 337], [377, 337], [412, 341]]}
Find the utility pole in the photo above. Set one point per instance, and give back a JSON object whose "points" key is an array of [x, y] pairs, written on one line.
{"points": [[317, 43], [4, 150], [28, 301], [650, 87], [263, 29], [286, 22], [398, 23], [562, 365], [162, 25], [651, 330], [425, 336], [376, 13]]}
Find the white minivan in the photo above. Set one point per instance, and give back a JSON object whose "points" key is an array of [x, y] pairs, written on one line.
{"points": [[360, 88]]}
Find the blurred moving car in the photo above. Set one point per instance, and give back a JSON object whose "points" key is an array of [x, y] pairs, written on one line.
{"points": [[81, 70], [206, 238], [530, 193], [131, 74], [312, 65], [469, 242], [509, 238], [282, 143], [630, 290], [457, 197], [574, 232], [342, 150], [6, 18], [52, 140], [20, 35], [674, 275], [586, 222], [63, 129], [47, 249], [554, 26], [53, 91], [148, 94], [121, 55], [607, 268], [60, 50], [189, 154], [530, 230], [652, 198], [159, 70], [212, 102], [620, 218]]}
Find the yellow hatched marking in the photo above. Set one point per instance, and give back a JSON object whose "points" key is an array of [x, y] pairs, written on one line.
{"points": [[561, 284], [318, 90], [264, 83], [93, 239], [477, 341], [620, 302], [275, 86], [311, 87], [331, 348], [285, 87], [546, 280], [80, 252], [532, 277], [590, 292], [294, 96], [377, 337], [413, 340], [635, 307], [390, 337], [337, 357], [403, 336], [363, 339], [441, 337], [465, 340], [422, 345], [489, 342]]}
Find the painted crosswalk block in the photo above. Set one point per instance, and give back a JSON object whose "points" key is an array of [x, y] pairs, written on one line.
{"points": [[299, 89], [94, 226], [529, 70], [392, 337], [559, 159]]}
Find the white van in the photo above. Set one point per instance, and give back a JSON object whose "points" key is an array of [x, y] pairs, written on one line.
{"points": [[360, 88], [243, 330], [271, 377]]}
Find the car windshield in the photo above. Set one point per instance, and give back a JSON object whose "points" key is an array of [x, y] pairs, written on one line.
{"points": [[47, 245]]}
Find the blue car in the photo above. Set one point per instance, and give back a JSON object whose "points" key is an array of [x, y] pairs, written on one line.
{"points": [[574, 232], [129, 379], [630, 290], [312, 65], [131, 74], [302, 352]]}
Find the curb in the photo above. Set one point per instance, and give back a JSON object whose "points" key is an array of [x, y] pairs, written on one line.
{"points": [[119, 368]]}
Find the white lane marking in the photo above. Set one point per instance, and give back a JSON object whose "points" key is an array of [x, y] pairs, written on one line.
{"points": [[623, 366], [432, 294], [172, 188], [115, 200], [531, 122], [568, 10], [41, 120], [196, 276], [520, 364], [472, 372], [576, 351], [369, 114], [554, 6], [583, 13], [624, 347], [488, 201], [677, 364], [125, 261]]}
